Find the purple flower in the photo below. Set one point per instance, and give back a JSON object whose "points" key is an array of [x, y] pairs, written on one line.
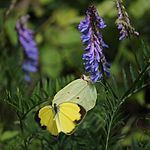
{"points": [[95, 62], [123, 22], [26, 39]]}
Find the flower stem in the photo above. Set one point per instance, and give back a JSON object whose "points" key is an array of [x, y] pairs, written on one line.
{"points": [[22, 131]]}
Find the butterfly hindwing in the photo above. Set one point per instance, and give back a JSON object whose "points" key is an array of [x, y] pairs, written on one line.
{"points": [[46, 118], [69, 116]]}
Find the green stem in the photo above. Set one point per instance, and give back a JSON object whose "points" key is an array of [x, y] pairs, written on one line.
{"points": [[109, 130], [22, 132]]}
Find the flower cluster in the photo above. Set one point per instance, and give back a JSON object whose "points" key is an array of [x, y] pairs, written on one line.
{"points": [[26, 39], [95, 61], [123, 22]]}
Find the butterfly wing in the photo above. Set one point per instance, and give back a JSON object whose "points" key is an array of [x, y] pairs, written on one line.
{"points": [[69, 115], [45, 117], [80, 91]]}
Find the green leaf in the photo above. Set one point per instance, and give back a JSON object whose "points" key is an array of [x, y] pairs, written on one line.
{"points": [[115, 86], [141, 5], [64, 16], [10, 30], [69, 36], [107, 8], [7, 135], [125, 79], [51, 62], [45, 2], [132, 72]]}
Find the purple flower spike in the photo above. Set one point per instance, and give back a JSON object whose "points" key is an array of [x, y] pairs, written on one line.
{"points": [[26, 39], [95, 62], [123, 22]]}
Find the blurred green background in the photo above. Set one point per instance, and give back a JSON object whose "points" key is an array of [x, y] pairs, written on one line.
{"points": [[55, 23]]}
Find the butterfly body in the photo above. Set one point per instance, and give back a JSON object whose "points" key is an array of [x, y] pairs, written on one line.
{"points": [[55, 109], [61, 118]]}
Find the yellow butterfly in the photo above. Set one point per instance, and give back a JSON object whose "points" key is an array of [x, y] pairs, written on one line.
{"points": [[61, 118]]}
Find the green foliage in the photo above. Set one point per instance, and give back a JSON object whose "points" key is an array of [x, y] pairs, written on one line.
{"points": [[137, 6]]}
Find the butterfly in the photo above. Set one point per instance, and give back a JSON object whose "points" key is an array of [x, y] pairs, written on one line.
{"points": [[60, 118]]}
